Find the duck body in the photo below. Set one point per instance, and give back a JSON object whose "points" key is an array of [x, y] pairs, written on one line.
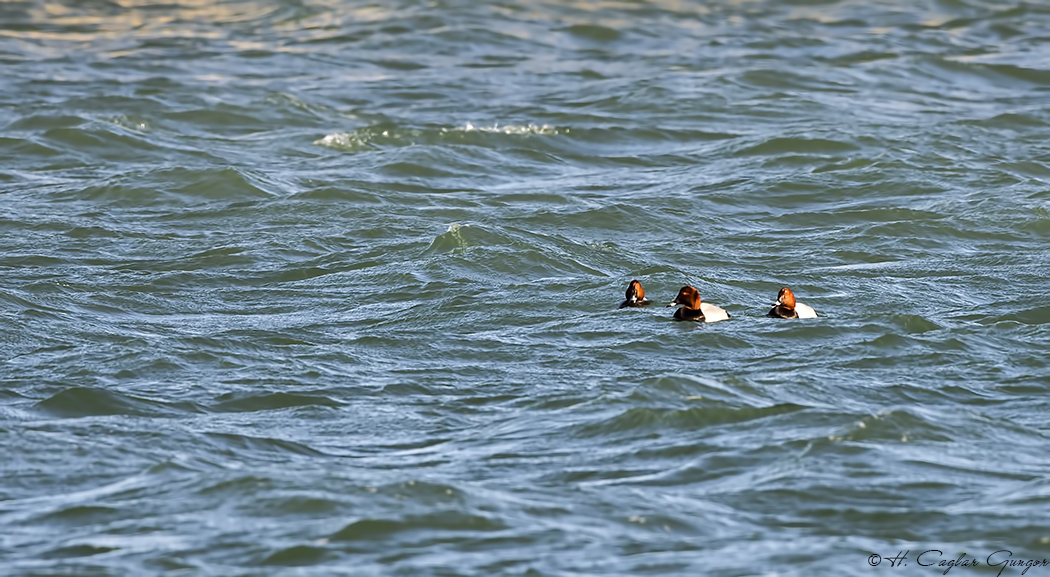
{"points": [[787, 307], [693, 309], [805, 311], [782, 312], [635, 296], [713, 314], [688, 314]]}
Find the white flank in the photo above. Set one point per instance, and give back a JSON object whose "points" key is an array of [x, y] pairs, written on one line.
{"points": [[805, 311], [713, 314]]}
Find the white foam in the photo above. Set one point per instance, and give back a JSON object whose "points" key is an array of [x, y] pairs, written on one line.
{"points": [[523, 129]]}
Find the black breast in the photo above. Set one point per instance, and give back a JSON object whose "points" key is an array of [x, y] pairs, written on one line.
{"points": [[782, 312], [687, 314]]}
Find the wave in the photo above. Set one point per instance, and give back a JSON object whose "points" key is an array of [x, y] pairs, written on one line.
{"points": [[377, 137], [75, 402]]}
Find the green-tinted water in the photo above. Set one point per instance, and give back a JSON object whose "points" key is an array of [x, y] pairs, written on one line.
{"points": [[325, 287]]}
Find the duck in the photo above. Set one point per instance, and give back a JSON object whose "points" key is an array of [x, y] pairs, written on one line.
{"points": [[787, 308], [693, 310], [635, 295]]}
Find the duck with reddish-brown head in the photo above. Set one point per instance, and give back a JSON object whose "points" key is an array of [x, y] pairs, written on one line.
{"points": [[787, 307], [635, 295], [693, 309]]}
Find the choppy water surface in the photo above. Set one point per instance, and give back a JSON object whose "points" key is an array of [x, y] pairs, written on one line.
{"points": [[326, 287]]}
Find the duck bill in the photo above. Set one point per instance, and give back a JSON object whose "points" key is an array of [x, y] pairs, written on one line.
{"points": [[672, 303]]}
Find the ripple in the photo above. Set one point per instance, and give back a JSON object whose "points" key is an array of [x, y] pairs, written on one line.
{"points": [[640, 419], [594, 32], [901, 426], [391, 136], [77, 402], [81, 515], [250, 402], [77, 551], [443, 522], [1033, 316], [297, 556], [517, 253], [173, 186], [780, 146], [273, 448]]}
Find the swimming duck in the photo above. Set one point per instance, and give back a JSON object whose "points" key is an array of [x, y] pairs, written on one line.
{"points": [[635, 295], [787, 308], [693, 310]]}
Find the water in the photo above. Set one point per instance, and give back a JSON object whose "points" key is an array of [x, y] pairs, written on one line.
{"points": [[318, 287]]}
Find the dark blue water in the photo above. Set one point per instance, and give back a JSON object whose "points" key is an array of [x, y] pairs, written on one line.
{"points": [[325, 287]]}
